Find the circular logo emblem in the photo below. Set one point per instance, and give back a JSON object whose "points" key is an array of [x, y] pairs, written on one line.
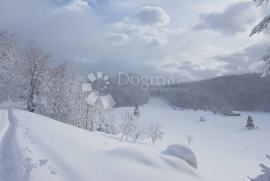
{"points": [[98, 89]]}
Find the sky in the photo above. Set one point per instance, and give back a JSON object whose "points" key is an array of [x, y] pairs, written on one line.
{"points": [[188, 39]]}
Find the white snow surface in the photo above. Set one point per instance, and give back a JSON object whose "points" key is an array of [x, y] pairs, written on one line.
{"points": [[36, 148], [183, 153]]}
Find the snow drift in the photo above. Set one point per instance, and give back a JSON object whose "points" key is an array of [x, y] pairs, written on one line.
{"points": [[183, 153], [46, 149]]}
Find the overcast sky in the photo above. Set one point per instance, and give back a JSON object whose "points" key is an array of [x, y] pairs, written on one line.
{"points": [[188, 39]]}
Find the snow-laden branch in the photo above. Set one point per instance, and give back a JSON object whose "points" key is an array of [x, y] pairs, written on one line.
{"points": [[261, 26]]}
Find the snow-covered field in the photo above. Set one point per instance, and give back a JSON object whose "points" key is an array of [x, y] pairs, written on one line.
{"points": [[34, 148]]}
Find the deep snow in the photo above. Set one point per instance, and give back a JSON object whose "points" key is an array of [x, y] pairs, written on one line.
{"points": [[45, 149], [38, 148]]}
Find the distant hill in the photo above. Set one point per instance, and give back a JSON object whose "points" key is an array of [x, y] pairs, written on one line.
{"points": [[247, 92], [127, 95]]}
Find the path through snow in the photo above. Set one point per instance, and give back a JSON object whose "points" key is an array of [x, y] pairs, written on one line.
{"points": [[10, 159]]}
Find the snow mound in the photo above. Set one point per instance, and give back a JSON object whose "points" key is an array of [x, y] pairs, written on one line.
{"points": [[136, 163], [183, 153]]}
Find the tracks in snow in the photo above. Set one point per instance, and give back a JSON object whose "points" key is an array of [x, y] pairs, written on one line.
{"points": [[10, 158]]}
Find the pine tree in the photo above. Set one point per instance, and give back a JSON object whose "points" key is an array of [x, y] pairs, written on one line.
{"points": [[250, 124]]}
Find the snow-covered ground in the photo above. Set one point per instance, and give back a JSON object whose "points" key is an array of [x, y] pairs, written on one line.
{"points": [[225, 149], [34, 148]]}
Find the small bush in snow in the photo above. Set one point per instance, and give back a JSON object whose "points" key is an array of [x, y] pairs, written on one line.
{"points": [[201, 119], [190, 138], [136, 110]]}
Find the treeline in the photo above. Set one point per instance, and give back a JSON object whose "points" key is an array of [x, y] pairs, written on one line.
{"points": [[53, 91], [248, 92]]}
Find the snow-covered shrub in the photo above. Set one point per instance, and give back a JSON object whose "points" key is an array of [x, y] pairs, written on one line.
{"points": [[111, 125], [136, 110], [131, 127], [250, 123], [183, 153], [201, 119], [155, 132], [266, 175]]}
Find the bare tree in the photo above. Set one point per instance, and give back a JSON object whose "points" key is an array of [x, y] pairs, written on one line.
{"points": [[155, 132], [190, 138]]}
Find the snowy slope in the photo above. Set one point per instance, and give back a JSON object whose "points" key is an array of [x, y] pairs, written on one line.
{"points": [[37, 148], [224, 148], [50, 150]]}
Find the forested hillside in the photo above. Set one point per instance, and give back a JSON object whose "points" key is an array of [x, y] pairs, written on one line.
{"points": [[248, 92]]}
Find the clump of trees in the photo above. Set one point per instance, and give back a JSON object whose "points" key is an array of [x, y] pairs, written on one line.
{"points": [[132, 127], [55, 91], [247, 92]]}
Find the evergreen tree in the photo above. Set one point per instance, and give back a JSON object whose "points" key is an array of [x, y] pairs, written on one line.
{"points": [[250, 123]]}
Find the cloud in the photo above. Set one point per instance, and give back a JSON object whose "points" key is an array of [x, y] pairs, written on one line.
{"points": [[153, 16], [244, 61], [118, 38], [195, 71], [231, 21], [76, 6]]}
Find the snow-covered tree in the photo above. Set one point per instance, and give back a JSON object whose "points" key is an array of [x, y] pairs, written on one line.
{"points": [[155, 132], [266, 175], [139, 131], [127, 123], [97, 117], [36, 71], [111, 125], [259, 28], [250, 123], [131, 127], [9, 62]]}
